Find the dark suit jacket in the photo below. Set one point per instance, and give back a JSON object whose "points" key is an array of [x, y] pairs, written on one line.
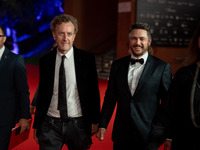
{"points": [[135, 113], [14, 90], [35, 97], [175, 120], [87, 82], [178, 106]]}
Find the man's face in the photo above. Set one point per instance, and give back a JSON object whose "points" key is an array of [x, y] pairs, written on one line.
{"points": [[64, 36], [2, 38], [139, 42]]}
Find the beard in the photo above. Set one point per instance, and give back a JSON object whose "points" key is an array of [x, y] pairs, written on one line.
{"points": [[65, 47], [144, 50]]}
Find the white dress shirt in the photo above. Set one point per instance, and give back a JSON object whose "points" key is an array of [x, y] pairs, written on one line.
{"points": [[135, 71], [73, 101]]}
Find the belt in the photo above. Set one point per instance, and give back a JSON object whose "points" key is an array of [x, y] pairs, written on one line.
{"points": [[68, 119]]}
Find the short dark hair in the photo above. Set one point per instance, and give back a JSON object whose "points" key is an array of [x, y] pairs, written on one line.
{"points": [[64, 18], [3, 30], [140, 25]]}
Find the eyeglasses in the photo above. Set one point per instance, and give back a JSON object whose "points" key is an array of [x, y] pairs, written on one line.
{"points": [[2, 35]]}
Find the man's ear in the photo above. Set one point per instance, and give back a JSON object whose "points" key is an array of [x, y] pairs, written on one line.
{"points": [[4, 39], [53, 33], [150, 41], [74, 38]]}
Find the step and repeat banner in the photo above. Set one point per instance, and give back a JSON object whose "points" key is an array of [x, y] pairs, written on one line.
{"points": [[172, 21]]}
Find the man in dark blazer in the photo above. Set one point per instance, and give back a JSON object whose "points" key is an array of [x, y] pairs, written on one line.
{"points": [[138, 84], [82, 92], [14, 101]]}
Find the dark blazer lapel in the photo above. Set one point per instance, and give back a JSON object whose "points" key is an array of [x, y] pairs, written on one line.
{"points": [[51, 66], [124, 74], [77, 61], [5, 56], [146, 73]]}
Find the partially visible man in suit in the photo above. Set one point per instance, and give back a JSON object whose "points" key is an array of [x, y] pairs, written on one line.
{"points": [[78, 119], [14, 92], [138, 83]]}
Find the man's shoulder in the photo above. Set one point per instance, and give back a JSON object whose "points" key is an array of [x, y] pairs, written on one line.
{"points": [[121, 60], [83, 54], [13, 56], [10, 53], [49, 55], [157, 60]]}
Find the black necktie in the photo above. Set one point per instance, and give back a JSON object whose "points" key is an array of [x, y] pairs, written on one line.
{"points": [[133, 61], [62, 104]]}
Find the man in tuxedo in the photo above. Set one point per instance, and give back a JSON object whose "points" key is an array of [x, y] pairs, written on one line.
{"points": [[67, 111], [14, 92], [138, 84]]}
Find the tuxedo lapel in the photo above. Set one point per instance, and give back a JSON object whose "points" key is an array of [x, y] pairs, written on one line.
{"points": [[146, 74], [124, 74]]}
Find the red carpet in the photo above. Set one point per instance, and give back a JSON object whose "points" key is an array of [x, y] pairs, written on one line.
{"points": [[30, 144]]}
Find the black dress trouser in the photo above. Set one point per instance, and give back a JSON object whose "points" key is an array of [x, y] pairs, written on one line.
{"points": [[55, 133]]}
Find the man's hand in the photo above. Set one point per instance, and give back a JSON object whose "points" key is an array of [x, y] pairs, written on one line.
{"points": [[167, 144], [34, 135], [94, 128], [100, 133], [32, 109], [24, 123]]}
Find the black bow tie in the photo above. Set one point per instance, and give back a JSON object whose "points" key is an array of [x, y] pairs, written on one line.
{"points": [[133, 61]]}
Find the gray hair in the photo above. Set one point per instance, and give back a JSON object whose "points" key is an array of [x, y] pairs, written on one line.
{"points": [[64, 18]]}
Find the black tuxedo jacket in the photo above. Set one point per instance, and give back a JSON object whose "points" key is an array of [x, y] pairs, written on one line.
{"points": [[87, 83], [14, 90], [135, 113]]}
